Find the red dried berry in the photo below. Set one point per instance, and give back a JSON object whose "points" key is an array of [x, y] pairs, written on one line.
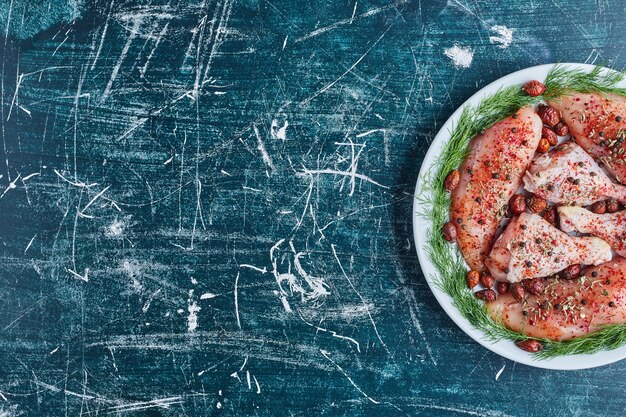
{"points": [[612, 205], [536, 204], [549, 134], [571, 272], [449, 232], [530, 345], [561, 129], [472, 278], [486, 280], [534, 286], [534, 88], [598, 207], [452, 180], [549, 115], [517, 204], [502, 287], [550, 215], [517, 291], [487, 295]]}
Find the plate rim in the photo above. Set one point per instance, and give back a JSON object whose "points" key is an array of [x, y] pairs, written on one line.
{"points": [[504, 348]]}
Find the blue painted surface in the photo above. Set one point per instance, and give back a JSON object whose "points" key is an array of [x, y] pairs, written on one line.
{"points": [[206, 207]]}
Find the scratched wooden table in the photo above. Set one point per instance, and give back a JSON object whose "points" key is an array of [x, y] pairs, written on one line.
{"points": [[206, 206]]}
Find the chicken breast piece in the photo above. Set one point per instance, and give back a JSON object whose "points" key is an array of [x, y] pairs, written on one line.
{"points": [[568, 309], [530, 247], [610, 227], [598, 123], [490, 175], [568, 175]]}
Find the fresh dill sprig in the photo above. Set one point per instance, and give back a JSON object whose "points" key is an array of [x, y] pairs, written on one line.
{"points": [[435, 203], [562, 80], [608, 338]]}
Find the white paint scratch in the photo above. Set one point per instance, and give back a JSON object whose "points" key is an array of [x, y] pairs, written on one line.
{"points": [[237, 301], [146, 305], [116, 68], [346, 72], [327, 356], [84, 277], [344, 173], [11, 186], [343, 22], [207, 296], [258, 387], [369, 314], [261, 148], [333, 333], [461, 56], [193, 309], [254, 268], [29, 244], [369, 132], [26, 178], [500, 371]]}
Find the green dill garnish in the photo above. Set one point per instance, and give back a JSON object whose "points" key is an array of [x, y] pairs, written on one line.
{"points": [[562, 80], [608, 338], [435, 203]]}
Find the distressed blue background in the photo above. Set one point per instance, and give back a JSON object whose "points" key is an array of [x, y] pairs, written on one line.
{"points": [[206, 206]]}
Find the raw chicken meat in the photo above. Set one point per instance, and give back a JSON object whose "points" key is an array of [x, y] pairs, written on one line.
{"points": [[568, 175], [568, 309], [598, 123], [530, 247], [490, 175], [608, 227]]}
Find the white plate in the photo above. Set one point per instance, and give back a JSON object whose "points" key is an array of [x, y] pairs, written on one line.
{"points": [[421, 228]]}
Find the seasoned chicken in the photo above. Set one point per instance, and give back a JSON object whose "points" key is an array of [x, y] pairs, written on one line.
{"points": [[568, 309], [598, 123], [530, 247], [568, 175], [608, 227], [490, 175]]}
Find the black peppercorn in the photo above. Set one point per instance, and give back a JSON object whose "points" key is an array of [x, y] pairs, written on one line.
{"points": [[618, 118], [583, 302], [594, 274], [528, 264], [459, 220], [611, 304], [514, 129], [495, 175]]}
